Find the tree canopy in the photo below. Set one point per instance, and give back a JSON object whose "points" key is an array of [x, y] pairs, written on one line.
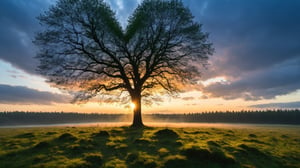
{"points": [[83, 49]]}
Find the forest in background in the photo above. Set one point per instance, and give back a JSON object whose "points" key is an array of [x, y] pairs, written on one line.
{"points": [[278, 116]]}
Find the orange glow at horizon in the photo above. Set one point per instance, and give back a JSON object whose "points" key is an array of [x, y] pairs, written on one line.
{"points": [[190, 102]]}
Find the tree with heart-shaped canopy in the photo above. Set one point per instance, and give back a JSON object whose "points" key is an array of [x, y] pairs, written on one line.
{"points": [[84, 50]]}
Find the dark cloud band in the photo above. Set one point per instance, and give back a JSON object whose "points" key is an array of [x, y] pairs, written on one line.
{"points": [[23, 95]]}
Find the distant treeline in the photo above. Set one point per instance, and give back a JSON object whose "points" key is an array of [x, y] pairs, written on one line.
{"points": [[256, 117], [41, 118]]}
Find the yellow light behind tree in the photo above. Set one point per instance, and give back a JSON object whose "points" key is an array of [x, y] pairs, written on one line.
{"points": [[132, 105]]}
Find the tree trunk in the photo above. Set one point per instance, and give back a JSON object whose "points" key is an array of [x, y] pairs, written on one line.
{"points": [[137, 111]]}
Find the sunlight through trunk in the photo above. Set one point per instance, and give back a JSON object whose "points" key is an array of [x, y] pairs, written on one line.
{"points": [[137, 111]]}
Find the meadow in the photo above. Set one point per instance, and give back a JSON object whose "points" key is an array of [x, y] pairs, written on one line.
{"points": [[150, 147]]}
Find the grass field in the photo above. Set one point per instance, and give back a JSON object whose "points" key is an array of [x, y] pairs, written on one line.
{"points": [[150, 147]]}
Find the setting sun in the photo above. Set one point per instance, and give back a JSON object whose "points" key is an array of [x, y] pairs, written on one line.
{"points": [[132, 105]]}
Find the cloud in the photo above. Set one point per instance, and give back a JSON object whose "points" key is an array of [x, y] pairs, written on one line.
{"points": [[257, 46], [18, 25], [280, 79], [187, 98], [250, 32], [23, 95], [278, 105], [191, 104], [203, 97]]}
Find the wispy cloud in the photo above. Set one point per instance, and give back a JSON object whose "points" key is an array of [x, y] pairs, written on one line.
{"points": [[188, 98], [278, 105]]}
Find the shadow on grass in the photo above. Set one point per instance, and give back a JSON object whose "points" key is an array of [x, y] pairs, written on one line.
{"points": [[26, 135], [168, 139], [215, 157], [253, 156]]}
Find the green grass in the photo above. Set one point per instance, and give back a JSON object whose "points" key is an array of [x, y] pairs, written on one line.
{"points": [[76, 147]]}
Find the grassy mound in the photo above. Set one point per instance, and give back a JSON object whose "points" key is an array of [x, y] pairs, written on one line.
{"points": [[166, 134], [103, 134], [93, 159], [42, 145], [66, 137]]}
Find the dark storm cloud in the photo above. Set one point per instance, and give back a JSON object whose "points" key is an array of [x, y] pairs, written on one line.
{"points": [[278, 105], [257, 46], [252, 32], [18, 25], [265, 84], [23, 95]]}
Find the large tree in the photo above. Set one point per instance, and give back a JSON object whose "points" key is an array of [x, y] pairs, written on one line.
{"points": [[84, 50]]}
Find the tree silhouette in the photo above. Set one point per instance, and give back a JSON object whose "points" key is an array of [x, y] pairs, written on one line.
{"points": [[83, 49]]}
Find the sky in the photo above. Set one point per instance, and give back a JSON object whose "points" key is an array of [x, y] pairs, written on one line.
{"points": [[256, 63]]}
